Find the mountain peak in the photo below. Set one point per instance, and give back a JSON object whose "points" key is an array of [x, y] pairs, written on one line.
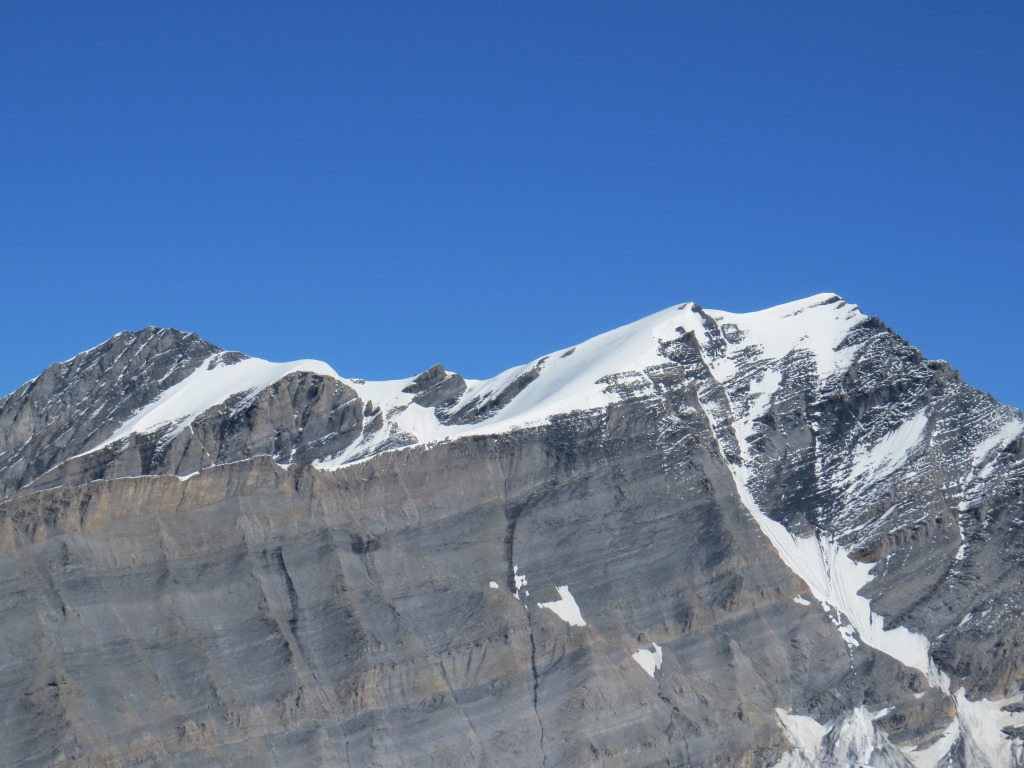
{"points": [[75, 403]]}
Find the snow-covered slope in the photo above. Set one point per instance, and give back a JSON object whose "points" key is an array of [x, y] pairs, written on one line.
{"points": [[605, 369], [216, 381], [586, 377]]}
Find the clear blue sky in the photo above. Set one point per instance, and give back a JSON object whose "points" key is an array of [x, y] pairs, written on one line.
{"points": [[386, 185]]}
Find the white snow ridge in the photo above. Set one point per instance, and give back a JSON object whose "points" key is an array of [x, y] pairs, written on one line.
{"points": [[214, 382]]}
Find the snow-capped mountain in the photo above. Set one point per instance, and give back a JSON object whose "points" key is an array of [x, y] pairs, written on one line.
{"points": [[704, 538]]}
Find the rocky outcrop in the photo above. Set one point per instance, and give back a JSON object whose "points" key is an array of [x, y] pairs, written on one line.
{"points": [[436, 387], [77, 403], [61, 428]]}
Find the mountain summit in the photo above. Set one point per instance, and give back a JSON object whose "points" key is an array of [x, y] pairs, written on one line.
{"points": [[705, 538]]}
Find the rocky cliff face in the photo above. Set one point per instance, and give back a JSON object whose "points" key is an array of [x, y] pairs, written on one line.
{"points": [[781, 538]]}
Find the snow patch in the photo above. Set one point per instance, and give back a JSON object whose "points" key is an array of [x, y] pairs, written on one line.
{"points": [[850, 740], [1006, 434], [801, 601], [854, 737], [961, 551], [816, 325], [835, 581], [211, 384], [804, 733], [761, 392], [982, 724], [649, 660], [978, 726], [930, 756], [890, 453], [565, 608], [519, 581], [493, 585]]}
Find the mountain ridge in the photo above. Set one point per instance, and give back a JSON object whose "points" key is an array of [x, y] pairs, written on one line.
{"points": [[474, 401], [849, 495]]}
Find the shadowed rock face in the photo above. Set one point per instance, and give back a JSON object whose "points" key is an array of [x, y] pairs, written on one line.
{"points": [[75, 404], [50, 427], [231, 593]]}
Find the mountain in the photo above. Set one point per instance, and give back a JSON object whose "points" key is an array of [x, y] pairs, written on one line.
{"points": [[781, 538]]}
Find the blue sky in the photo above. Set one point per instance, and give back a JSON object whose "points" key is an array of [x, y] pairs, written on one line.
{"points": [[388, 185]]}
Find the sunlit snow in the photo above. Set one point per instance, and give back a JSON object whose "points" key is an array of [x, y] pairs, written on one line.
{"points": [[212, 383], [565, 383], [871, 464], [1002, 436], [814, 325], [519, 581], [649, 660], [804, 733], [573, 379], [852, 736], [565, 608]]}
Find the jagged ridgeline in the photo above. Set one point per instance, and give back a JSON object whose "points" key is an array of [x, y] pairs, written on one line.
{"points": [[712, 539]]}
